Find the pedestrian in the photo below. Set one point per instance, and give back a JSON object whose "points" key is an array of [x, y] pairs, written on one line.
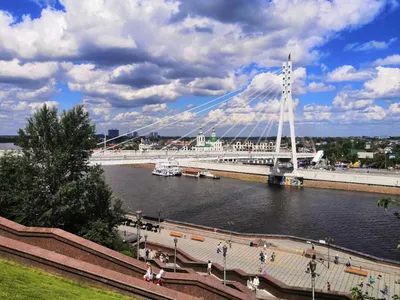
{"points": [[273, 256], [256, 283], [265, 246], [262, 257], [313, 246], [336, 261], [219, 248], [361, 284], [159, 278], [147, 254], [166, 258], [209, 265], [328, 286]]}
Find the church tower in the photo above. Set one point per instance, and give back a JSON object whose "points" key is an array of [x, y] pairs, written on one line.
{"points": [[201, 139], [213, 135]]}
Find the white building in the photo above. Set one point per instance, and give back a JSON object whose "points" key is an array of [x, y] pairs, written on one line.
{"points": [[264, 146], [211, 145]]}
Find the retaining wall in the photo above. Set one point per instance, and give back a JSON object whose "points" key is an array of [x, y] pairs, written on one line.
{"points": [[60, 242]]}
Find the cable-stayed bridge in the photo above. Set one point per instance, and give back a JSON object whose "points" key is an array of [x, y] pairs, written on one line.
{"points": [[215, 150]]}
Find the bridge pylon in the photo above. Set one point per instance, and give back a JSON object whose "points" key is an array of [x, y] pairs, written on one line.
{"points": [[286, 101]]}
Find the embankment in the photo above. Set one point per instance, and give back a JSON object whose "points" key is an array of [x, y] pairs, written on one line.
{"points": [[324, 184]]}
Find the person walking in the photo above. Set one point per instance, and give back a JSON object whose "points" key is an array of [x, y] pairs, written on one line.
{"points": [[328, 286], [209, 266], [219, 248]]}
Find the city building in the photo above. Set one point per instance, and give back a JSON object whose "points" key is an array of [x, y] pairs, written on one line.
{"points": [[153, 134], [133, 134], [112, 133], [212, 144], [250, 146]]}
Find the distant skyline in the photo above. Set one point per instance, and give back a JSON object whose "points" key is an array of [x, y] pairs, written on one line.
{"points": [[132, 63]]}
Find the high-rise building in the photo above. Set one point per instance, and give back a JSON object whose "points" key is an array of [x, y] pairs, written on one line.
{"points": [[112, 133]]}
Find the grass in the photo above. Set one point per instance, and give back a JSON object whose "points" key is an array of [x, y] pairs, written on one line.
{"points": [[18, 282]]}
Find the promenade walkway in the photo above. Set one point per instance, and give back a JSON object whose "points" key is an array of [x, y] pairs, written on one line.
{"points": [[289, 266]]}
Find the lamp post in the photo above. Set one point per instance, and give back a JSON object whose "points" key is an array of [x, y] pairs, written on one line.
{"points": [[224, 250], [176, 242], [138, 218], [313, 266], [159, 220], [145, 245], [230, 223], [329, 241]]}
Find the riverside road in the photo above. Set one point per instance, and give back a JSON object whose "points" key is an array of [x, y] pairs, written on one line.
{"points": [[352, 219]]}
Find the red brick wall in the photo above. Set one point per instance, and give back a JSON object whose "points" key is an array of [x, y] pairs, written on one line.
{"points": [[72, 246]]}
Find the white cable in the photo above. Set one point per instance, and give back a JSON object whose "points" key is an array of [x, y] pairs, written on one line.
{"points": [[259, 120], [234, 125], [101, 143], [242, 129], [190, 142], [169, 124], [222, 119]]}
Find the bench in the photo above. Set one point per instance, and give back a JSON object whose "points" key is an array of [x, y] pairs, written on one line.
{"points": [[177, 234], [356, 271], [197, 238]]}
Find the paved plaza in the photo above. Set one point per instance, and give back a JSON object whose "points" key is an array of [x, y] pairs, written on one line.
{"points": [[290, 264]]}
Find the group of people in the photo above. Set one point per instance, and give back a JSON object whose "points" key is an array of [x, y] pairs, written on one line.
{"points": [[264, 256], [150, 255], [149, 276], [253, 284]]}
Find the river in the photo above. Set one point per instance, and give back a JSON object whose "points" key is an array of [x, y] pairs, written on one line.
{"points": [[352, 219]]}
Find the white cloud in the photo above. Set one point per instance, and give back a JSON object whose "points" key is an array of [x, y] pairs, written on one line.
{"points": [[123, 54], [13, 71], [349, 73], [155, 108], [317, 87], [370, 45], [394, 108], [389, 60], [386, 84]]}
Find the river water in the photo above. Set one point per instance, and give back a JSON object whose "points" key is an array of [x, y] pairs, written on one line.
{"points": [[352, 219]]}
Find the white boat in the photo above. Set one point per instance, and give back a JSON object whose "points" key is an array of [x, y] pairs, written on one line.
{"points": [[207, 174], [168, 168]]}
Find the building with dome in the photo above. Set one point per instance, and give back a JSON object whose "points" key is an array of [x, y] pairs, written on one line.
{"points": [[213, 144]]}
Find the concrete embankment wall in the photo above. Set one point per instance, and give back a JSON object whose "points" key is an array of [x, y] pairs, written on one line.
{"points": [[376, 183]]}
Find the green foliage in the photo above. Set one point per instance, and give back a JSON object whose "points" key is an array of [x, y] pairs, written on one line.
{"points": [[357, 293], [385, 203], [50, 182], [20, 282]]}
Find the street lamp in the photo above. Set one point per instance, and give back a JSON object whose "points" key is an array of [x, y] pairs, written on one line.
{"points": [[313, 266], [329, 241], [138, 218], [159, 220], [224, 250], [145, 245], [230, 223], [176, 242]]}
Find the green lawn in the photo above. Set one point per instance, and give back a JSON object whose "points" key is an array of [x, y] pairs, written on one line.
{"points": [[19, 282]]}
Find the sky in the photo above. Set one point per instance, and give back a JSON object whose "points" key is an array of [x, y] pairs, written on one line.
{"points": [[173, 65]]}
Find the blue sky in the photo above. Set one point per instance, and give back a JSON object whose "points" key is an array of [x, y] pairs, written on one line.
{"points": [[134, 65]]}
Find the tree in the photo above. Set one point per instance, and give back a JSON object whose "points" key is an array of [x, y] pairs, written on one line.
{"points": [[50, 182]]}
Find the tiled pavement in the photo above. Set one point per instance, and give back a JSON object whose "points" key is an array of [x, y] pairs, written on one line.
{"points": [[289, 266]]}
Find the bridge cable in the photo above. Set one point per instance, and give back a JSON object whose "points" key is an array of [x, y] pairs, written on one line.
{"points": [[220, 120], [188, 110], [169, 124]]}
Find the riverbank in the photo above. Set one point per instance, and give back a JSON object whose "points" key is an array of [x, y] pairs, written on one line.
{"points": [[307, 183]]}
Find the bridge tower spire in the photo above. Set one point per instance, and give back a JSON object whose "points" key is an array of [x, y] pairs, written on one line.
{"points": [[287, 78]]}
